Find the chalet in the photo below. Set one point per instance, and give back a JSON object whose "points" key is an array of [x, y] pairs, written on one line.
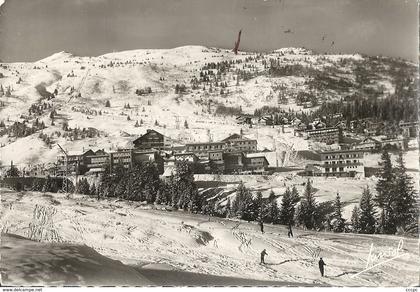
{"points": [[75, 161], [237, 142], [256, 162], [369, 144], [338, 163], [325, 135], [202, 149], [152, 140]]}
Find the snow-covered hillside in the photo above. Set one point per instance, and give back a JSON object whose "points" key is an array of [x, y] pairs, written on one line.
{"points": [[139, 236], [81, 87]]}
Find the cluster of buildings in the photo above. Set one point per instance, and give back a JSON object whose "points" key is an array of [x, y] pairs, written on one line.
{"points": [[348, 161], [373, 139], [235, 154]]}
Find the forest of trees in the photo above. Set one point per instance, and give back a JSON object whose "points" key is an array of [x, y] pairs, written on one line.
{"points": [[390, 109], [228, 110]]}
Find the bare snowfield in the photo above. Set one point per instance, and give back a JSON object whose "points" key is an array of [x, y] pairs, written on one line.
{"points": [[137, 235]]}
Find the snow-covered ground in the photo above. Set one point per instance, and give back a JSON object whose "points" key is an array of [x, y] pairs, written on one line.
{"points": [[137, 235], [115, 77]]}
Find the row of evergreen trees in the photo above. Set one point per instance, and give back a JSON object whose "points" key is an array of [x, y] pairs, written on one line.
{"points": [[395, 199]]}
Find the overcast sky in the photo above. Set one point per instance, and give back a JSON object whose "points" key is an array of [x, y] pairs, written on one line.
{"points": [[33, 29]]}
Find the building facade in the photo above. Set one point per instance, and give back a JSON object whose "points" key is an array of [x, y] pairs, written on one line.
{"points": [[202, 150], [152, 140], [75, 162], [237, 142], [340, 163], [325, 135]]}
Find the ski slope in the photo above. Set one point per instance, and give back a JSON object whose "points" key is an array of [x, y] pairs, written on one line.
{"points": [[139, 236]]}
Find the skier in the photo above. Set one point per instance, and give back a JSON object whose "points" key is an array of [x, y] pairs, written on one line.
{"points": [[263, 254], [321, 266], [262, 226], [290, 233]]}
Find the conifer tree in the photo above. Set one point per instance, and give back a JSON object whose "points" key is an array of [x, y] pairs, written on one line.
{"points": [[339, 222], [385, 194], [289, 201], [243, 202], [273, 210], [355, 215], [367, 213], [308, 207], [404, 204], [259, 207]]}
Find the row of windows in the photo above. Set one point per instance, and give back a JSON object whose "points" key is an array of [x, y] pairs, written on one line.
{"points": [[334, 169], [341, 162], [338, 156], [244, 143], [204, 147]]}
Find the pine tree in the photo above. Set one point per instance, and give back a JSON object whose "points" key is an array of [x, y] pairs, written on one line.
{"points": [[339, 222], [259, 207], [405, 214], [242, 204], [367, 213], [308, 207], [289, 201], [273, 211], [185, 124], [286, 208], [385, 194], [355, 215], [107, 103]]}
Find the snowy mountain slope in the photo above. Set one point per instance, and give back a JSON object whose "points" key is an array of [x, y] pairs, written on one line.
{"points": [[194, 243], [84, 85]]}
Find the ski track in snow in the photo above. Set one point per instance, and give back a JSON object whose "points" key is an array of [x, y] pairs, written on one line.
{"points": [[220, 246]]}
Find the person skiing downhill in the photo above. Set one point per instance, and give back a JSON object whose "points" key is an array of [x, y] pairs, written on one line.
{"points": [[263, 254], [321, 266], [290, 233]]}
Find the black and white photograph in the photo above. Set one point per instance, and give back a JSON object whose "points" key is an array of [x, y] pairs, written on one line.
{"points": [[209, 143]]}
